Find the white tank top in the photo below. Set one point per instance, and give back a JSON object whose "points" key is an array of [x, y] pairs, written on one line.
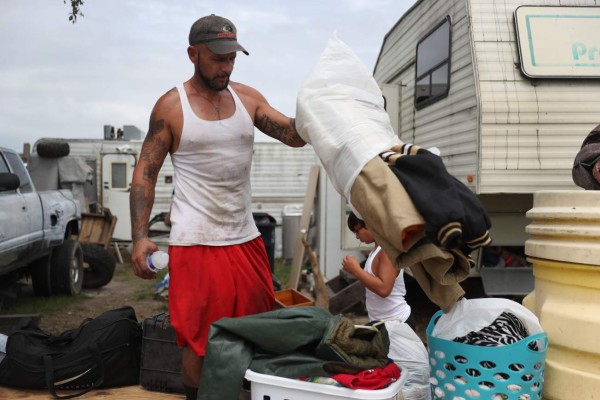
{"points": [[392, 307], [212, 203]]}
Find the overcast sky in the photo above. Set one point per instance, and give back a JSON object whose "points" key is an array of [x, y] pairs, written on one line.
{"points": [[59, 79]]}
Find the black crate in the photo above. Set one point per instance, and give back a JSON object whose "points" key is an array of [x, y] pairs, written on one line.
{"points": [[161, 358]]}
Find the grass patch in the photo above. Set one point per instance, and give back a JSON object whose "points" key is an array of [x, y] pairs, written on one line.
{"points": [[43, 305], [283, 270], [141, 289]]}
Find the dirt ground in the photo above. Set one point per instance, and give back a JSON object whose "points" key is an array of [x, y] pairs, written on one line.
{"points": [[125, 289]]}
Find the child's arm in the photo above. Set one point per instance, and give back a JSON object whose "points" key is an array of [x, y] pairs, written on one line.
{"points": [[385, 274]]}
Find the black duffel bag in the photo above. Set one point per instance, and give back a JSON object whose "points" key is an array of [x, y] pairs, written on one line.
{"points": [[102, 352]]}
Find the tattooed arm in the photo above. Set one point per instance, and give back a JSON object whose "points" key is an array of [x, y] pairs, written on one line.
{"points": [[279, 127], [267, 119], [155, 148]]}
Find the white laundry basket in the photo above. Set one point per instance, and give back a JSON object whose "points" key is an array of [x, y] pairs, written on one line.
{"points": [[269, 387]]}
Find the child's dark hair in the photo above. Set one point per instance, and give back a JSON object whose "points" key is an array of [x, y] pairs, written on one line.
{"points": [[354, 221]]}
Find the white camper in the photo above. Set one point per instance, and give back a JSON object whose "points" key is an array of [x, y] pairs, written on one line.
{"points": [[507, 90]]}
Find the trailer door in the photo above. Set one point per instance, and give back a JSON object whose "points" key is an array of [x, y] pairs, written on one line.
{"points": [[117, 173]]}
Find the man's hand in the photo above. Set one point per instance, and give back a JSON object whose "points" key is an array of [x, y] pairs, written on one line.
{"points": [[141, 250]]}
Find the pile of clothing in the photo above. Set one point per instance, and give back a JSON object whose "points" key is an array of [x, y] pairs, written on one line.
{"points": [[420, 215], [290, 342]]}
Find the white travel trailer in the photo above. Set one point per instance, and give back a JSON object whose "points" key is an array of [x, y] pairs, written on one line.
{"points": [[507, 90]]}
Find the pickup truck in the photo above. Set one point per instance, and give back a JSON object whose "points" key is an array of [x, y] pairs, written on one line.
{"points": [[35, 227]]}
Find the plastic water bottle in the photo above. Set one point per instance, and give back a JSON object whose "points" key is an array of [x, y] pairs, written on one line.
{"points": [[157, 260]]}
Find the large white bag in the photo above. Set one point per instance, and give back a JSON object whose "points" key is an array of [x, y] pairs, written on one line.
{"points": [[407, 349], [471, 315], [340, 112]]}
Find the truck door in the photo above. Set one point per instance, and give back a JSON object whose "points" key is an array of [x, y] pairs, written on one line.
{"points": [[117, 173], [21, 215]]}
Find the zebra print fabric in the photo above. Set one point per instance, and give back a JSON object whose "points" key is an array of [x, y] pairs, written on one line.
{"points": [[506, 329]]}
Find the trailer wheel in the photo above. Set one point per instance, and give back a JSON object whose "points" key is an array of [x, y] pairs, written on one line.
{"points": [[67, 268], [53, 149], [98, 266], [40, 276]]}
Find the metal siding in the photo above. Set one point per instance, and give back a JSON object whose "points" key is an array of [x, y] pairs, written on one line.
{"points": [[451, 123], [279, 170], [279, 177], [530, 130]]}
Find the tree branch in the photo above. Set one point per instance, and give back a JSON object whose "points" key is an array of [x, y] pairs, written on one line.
{"points": [[75, 10]]}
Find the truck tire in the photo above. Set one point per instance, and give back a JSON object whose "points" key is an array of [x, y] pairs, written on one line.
{"points": [[40, 276], [98, 266], [67, 268], [53, 149]]}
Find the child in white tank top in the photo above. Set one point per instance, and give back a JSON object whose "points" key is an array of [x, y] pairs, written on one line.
{"points": [[385, 301], [383, 282]]}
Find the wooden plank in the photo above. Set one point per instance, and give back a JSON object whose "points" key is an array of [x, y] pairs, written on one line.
{"points": [[127, 392], [345, 296], [309, 202], [97, 228]]}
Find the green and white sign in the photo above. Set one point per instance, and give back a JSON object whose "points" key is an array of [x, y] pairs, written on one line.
{"points": [[559, 41]]}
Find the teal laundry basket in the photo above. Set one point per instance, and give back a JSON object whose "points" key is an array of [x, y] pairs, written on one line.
{"points": [[464, 372]]}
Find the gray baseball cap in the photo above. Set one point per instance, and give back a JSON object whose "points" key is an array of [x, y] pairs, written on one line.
{"points": [[217, 33]]}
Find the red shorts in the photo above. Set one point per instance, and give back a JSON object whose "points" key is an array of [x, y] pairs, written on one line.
{"points": [[207, 283]]}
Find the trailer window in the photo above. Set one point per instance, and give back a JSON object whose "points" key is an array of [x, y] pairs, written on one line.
{"points": [[433, 66], [118, 176]]}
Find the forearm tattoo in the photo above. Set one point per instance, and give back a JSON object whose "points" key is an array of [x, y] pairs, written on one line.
{"points": [[141, 196], [287, 135], [154, 149], [138, 204]]}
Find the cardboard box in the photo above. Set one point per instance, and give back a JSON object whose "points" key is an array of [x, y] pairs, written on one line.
{"points": [[291, 298]]}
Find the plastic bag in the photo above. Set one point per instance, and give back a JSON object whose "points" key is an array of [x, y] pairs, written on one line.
{"points": [[407, 350], [339, 111], [469, 315]]}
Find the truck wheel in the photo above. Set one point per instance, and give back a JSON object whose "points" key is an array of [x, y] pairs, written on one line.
{"points": [[53, 149], [67, 268], [98, 266], [40, 276]]}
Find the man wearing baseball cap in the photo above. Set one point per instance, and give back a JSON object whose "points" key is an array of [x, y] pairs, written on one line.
{"points": [[218, 33], [218, 264]]}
